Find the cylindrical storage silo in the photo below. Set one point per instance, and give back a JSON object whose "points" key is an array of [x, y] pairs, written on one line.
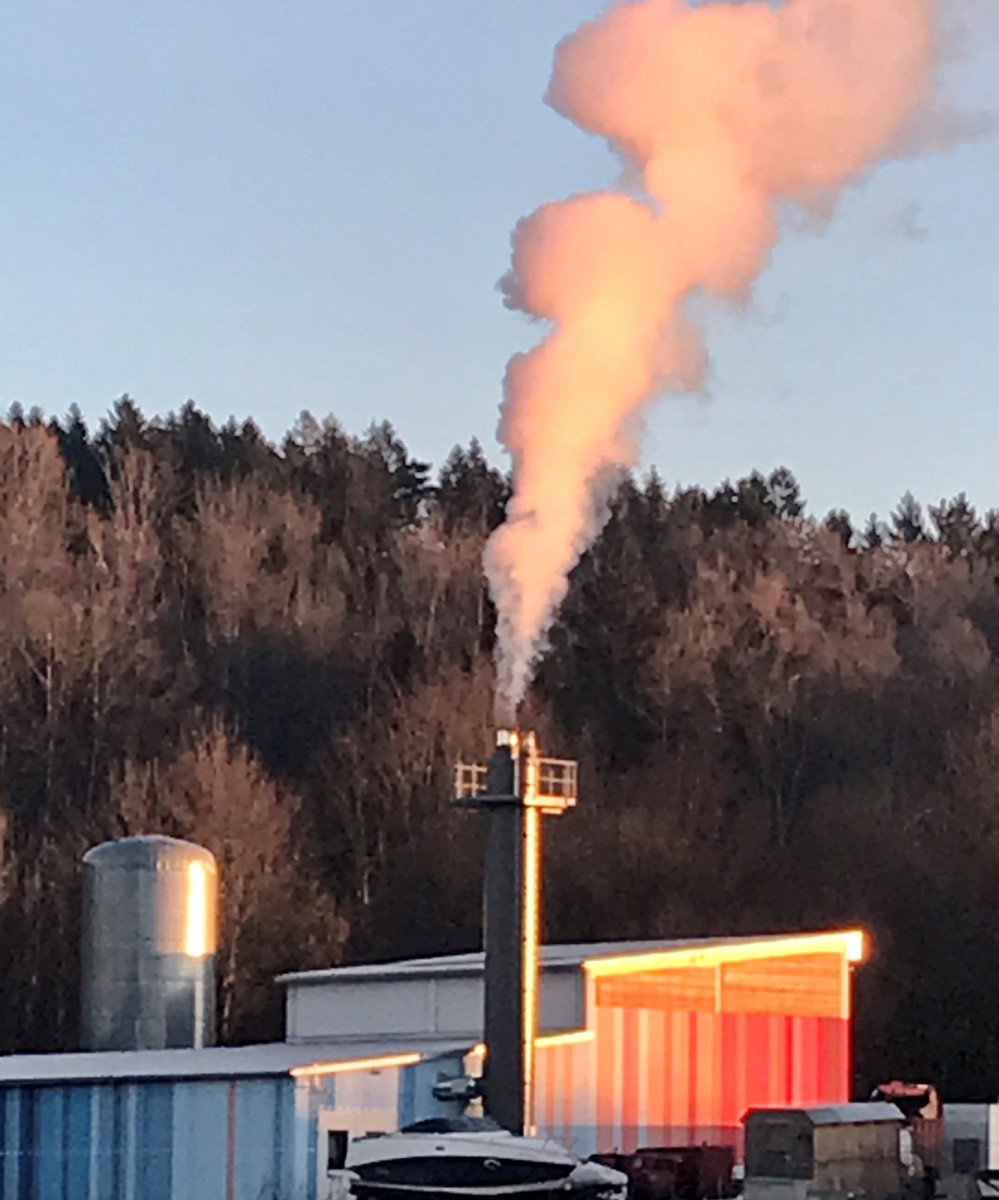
{"points": [[150, 932]]}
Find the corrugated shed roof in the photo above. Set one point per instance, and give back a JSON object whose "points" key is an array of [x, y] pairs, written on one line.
{"points": [[214, 1062], [874, 1112], [854, 1114], [568, 956]]}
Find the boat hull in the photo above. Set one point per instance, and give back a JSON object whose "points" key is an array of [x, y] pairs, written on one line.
{"points": [[463, 1164]]}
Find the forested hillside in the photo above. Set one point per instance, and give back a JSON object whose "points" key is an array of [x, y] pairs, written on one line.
{"points": [[278, 652]]}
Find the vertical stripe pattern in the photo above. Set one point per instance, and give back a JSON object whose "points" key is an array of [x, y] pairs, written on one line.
{"points": [[148, 1140], [678, 1064]]}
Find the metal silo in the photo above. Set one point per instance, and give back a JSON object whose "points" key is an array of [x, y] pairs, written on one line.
{"points": [[150, 931]]}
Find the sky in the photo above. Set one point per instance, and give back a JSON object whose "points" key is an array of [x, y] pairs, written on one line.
{"points": [[269, 207]]}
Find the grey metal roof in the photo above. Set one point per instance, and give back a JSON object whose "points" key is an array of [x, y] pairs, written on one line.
{"points": [[854, 1114], [842, 1114], [568, 956], [214, 1062]]}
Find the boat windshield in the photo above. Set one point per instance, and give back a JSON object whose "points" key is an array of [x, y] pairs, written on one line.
{"points": [[453, 1125]]}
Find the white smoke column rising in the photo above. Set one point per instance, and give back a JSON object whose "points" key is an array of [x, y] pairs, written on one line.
{"points": [[728, 112]]}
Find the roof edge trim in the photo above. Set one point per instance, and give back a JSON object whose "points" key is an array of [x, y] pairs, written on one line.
{"points": [[850, 943]]}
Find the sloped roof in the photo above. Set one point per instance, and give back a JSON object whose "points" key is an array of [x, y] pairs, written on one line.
{"points": [[564, 956], [855, 1114], [560, 957], [213, 1062], [875, 1112]]}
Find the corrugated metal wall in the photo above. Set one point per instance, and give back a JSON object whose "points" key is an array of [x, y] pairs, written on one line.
{"points": [[673, 1057], [358, 1103], [259, 1138], [678, 1056], [230, 1140], [565, 1096], [683, 1078]]}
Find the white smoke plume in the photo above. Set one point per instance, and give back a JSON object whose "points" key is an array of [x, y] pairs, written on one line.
{"points": [[727, 113]]}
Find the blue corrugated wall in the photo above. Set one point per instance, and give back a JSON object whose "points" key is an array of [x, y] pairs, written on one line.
{"points": [[238, 1139], [202, 1140]]}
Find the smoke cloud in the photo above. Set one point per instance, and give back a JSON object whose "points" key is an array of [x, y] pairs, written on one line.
{"points": [[726, 113]]}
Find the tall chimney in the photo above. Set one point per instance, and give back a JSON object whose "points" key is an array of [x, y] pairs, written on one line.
{"points": [[510, 935], [518, 788]]}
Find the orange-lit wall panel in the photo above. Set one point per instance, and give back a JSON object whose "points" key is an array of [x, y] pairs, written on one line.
{"points": [[702, 1071], [690, 988], [566, 1093], [666, 1067], [807, 986]]}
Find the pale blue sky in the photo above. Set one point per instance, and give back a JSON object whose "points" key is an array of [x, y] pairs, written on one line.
{"points": [[270, 206]]}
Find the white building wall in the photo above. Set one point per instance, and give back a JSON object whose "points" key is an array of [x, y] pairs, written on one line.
{"points": [[967, 1136], [458, 1007], [993, 1156], [363, 1010], [427, 1007]]}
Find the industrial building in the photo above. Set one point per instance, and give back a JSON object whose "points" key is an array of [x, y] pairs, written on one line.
{"points": [[639, 1043], [606, 1047], [247, 1123]]}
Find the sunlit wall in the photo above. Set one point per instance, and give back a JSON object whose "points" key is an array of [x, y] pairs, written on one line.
{"points": [[674, 1055]]}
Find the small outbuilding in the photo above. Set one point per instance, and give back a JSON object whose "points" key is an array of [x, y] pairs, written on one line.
{"points": [[830, 1151]]}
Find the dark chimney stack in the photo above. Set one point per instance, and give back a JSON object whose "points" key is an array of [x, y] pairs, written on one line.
{"points": [[516, 788]]}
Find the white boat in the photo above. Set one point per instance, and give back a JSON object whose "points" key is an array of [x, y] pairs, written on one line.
{"points": [[473, 1157]]}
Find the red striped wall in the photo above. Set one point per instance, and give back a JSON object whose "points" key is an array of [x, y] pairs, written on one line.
{"points": [[704, 1070], [656, 1075]]}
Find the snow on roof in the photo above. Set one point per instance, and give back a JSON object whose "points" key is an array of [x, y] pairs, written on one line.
{"points": [[214, 1062], [562, 957]]}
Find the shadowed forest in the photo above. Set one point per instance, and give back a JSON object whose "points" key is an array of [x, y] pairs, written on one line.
{"points": [[782, 722]]}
